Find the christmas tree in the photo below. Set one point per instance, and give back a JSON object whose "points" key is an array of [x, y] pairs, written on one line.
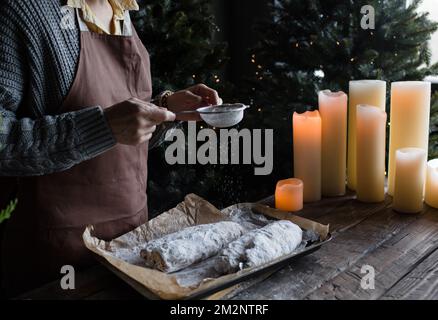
{"points": [[433, 144], [180, 37], [307, 46]]}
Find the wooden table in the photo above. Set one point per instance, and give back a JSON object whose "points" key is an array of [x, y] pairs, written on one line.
{"points": [[402, 249]]}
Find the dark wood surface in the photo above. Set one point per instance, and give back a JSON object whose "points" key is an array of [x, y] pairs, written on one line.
{"points": [[402, 249]]}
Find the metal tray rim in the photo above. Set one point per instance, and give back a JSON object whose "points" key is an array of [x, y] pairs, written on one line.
{"points": [[272, 266]]}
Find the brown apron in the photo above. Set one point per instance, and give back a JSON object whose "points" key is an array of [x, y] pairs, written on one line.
{"points": [[108, 191]]}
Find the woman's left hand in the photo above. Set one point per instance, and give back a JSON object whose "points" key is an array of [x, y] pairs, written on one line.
{"points": [[191, 99]]}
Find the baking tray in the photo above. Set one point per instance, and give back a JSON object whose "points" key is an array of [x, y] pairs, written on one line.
{"points": [[262, 270]]}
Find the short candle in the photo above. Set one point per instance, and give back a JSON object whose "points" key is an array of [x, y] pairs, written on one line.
{"points": [[289, 195], [409, 180], [432, 183]]}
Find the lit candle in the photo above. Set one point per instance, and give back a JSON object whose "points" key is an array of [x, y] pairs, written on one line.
{"points": [[289, 195], [365, 92], [409, 179], [333, 110], [432, 183], [307, 153], [410, 114], [370, 151]]}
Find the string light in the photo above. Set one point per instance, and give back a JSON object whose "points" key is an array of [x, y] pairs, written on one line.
{"points": [[337, 42]]}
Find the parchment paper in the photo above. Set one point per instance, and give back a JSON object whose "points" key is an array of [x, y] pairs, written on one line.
{"points": [[123, 253]]}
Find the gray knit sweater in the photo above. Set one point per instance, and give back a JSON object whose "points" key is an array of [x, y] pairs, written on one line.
{"points": [[38, 62]]}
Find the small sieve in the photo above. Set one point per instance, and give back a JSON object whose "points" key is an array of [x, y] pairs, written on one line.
{"points": [[222, 116]]}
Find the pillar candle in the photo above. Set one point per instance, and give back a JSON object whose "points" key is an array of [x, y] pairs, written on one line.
{"points": [[432, 183], [409, 179], [289, 195], [370, 153], [307, 153], [333, 110], [410, 114], [365, 92]]}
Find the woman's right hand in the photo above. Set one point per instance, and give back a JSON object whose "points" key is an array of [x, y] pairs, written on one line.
{"points": [[134, 121]]}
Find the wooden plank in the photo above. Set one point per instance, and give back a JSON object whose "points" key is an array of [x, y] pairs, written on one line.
{"points": [[88, 283], [321, 208], [342, 213], [391, 261], [364, 232], [420, 284], [118, 291]]}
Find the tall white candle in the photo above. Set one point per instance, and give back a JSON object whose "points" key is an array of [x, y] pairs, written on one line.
{"points": [[432, 183], [307, 153], [409, 179], [371, 150], [364, 92], [333, 110], [410, 114]]}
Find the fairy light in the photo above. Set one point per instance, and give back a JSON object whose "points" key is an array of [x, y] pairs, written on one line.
{"points": [[338, 43], [297, 45]]}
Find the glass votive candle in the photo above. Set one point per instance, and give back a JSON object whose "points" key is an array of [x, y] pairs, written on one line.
{"points": [[432, 184], [289, 195]]}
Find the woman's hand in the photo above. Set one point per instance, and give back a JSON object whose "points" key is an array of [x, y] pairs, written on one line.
{"points": [[191, 99], [134, 121]]}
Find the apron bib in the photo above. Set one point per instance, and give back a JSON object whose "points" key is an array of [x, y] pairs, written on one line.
{"points": [[108, 191]]}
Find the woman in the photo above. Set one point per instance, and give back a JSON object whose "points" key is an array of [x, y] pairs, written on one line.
{"points": [[77, 120]]}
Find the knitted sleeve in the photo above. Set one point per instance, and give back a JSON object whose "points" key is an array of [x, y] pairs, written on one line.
{"points": [[47, 144]]}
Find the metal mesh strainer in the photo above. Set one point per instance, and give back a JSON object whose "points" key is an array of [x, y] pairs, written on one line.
{"points": [[223, 116]]}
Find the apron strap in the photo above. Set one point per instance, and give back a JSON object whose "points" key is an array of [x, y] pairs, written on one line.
{"points": [[82, 25], [126, 23]]}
